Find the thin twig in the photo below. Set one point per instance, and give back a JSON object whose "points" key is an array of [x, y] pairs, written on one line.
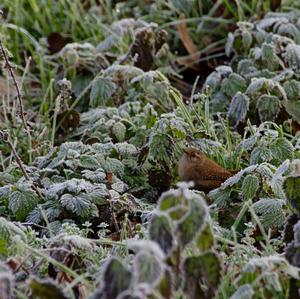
{"points": [[19, 96]]}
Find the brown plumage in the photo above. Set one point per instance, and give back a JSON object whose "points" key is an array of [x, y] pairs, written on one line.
{"points": [[205, 173]]}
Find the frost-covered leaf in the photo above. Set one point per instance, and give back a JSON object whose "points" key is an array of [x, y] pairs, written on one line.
{"points": [[161, 231], [293, 109], [282, 149], [116, 278], [202, 275], [102, 90], [238, 109], [250, 186], [291, 186], [292, 89], [270, 212], [194, 221], [149, 267], [119, 131], [205, 240], [22, 203], [233, 84], [268, 107], [261, 154], [292, 57]]}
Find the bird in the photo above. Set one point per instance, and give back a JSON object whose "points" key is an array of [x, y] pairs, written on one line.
{"points": [[206, 174]]}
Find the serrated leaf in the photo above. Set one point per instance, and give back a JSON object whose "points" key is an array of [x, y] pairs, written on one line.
{"points": [[238, 109], [270, 212], [22, 203], [149, 268], [282, 149], [102, 90], [293, 109], [119, 131], [250, 186], [233, 84], [268, 107], [89, 162], [161, 231], [194, 221], [291, 187], [261, 154], [202, 275], [292, 89], [205, 240], [116, 278]]}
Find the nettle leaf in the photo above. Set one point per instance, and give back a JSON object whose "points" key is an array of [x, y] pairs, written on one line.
{"points": [[270, 212], [194, 221], [291, 187], [233, 84], [260, 154], [257, 86], [161, 231], [119, 131], [22, 203], [268, 107], [78, 204], [102, 90], [250, 186], [292, 89], [202, 275], [46, 288], [116, 278], [149, 268], [89, 162], [293, 109], [205, 240], [238, 109], [282, 149], [292, 57], [243, 292]]}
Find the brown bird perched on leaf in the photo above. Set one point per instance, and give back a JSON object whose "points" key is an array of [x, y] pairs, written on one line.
{"points": [[205, 173]]}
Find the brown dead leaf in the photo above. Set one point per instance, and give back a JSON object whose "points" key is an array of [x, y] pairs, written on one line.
{"points": [[193, 57]]}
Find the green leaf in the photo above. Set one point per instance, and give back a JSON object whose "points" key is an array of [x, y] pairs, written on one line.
{"points": [[149, 268], [238, 109], [194, 221], [260, 154], [282, 149], [46, 288], [291, 186], [202, 275], [102, 90], [293, 109], [292, 89], [22, 203], [119, 131], [268, 107], [161, 231], [233, 84], [270, 212], [250, 186], [89, 162], [116, 279], [205, 240]]}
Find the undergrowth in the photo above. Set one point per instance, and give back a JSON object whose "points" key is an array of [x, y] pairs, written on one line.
{"points": [[98, 100]]}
